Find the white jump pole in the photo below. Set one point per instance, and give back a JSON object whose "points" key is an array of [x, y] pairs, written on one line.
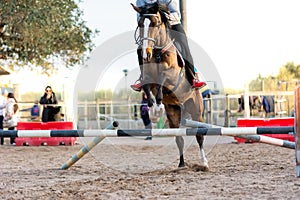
{"points": [[169, 132]]}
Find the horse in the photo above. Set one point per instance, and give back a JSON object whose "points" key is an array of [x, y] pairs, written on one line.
{"points": [[164, 77]]}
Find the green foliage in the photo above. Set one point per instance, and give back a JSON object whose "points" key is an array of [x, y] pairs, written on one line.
{"points": [[286, 80], [232, 91], [289, 71], [39, 31]]}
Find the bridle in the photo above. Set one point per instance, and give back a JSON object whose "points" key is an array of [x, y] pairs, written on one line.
{"points": [[138, 39]]}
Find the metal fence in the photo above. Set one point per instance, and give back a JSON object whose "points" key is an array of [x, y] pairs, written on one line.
{"points": [[221, 110]]}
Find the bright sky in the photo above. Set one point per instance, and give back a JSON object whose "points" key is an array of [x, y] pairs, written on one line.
{"points": [[244, 38]]}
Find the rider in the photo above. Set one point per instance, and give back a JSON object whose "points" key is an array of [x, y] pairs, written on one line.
{"points": [[180, 36]]}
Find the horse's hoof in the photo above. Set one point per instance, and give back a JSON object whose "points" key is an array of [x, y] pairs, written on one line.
{"points": [[205, 168], [181, 165], [199, 168], [150, 104]]}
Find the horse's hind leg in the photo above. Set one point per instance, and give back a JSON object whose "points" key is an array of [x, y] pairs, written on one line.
{"points": [[180, 145], [200, 140], [174, 118], [195, 108]]}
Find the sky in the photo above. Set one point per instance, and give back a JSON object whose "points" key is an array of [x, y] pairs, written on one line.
{"points": [[243, 38]]}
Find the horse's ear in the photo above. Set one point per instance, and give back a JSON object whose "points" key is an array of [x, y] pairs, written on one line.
{"points": [[137, 9], [156, 6]]}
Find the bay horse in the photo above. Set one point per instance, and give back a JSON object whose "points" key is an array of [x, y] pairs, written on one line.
{"points": [[162, 75]]}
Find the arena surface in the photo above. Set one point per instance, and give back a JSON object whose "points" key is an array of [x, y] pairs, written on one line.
{"points": [[132, 168]]}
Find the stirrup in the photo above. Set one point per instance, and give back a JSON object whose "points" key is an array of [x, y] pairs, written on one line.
{"points": [[137, 86]]}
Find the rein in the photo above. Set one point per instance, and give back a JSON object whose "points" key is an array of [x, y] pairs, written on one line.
{"points": [[138, 39]]}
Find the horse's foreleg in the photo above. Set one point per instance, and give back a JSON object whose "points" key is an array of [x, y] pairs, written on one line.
{"points": [[159, 95], [146, 89]]}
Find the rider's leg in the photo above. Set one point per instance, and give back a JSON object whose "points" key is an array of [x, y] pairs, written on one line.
{"points": [[137, 86], [179, 35]]}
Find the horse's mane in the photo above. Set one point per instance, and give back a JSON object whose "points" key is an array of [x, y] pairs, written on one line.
{"points": [[162, 9]]}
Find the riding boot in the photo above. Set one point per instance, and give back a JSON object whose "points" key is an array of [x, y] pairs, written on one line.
{"points": [[137, 86], [193, 78], [190, 75], [179, 35]]}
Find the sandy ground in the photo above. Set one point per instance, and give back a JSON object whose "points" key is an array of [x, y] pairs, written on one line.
{"points": [[132, 168]]}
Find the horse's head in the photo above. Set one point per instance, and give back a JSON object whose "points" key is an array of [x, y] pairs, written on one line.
{"points": [[151, 22]]}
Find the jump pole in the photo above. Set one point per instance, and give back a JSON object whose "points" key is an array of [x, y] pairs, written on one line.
{"points": [[84, 150], [297, 132], [169, 132], [256, 138]]}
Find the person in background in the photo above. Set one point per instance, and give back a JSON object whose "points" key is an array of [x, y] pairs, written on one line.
{"points": [[3, 98], [48, 100], [11, 119], [158, 116], [145, 115], [34, 111]]}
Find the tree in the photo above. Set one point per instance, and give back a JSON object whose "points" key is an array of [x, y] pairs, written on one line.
{"points": [[257, 84], [289, 71], [38, 32], [287, 78]]}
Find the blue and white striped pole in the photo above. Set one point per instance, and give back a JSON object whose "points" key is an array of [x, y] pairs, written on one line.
{"points": [[84, 150], [256, 138]]}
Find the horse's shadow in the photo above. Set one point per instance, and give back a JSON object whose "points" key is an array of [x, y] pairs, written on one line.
{"points": [[189, 167]]}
